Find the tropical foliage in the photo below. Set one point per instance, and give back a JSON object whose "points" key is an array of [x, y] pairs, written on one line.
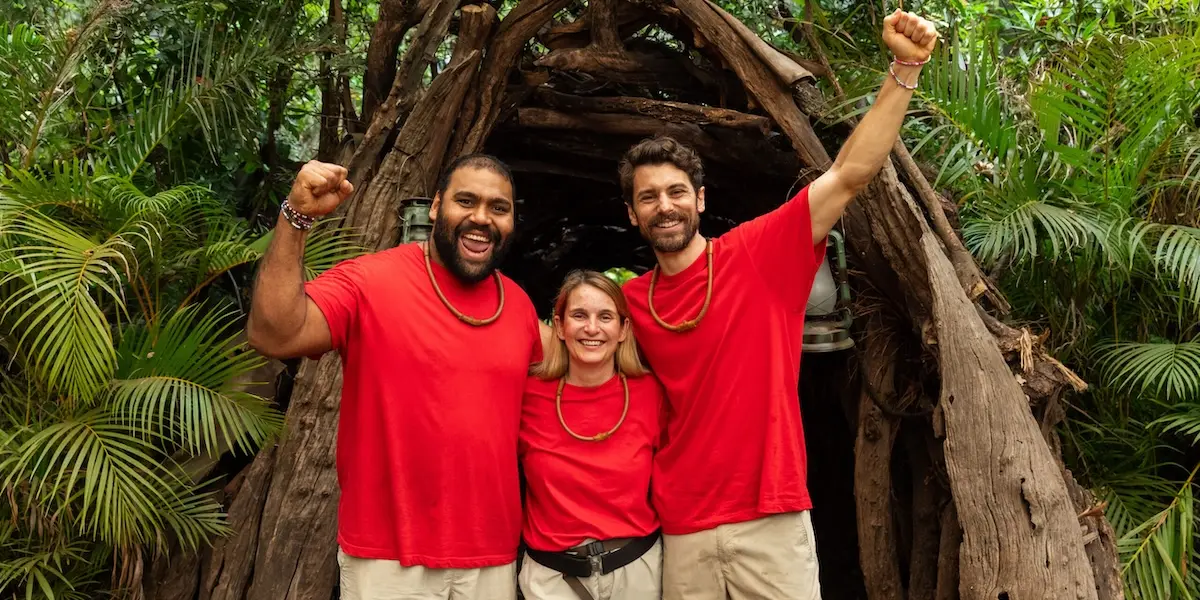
{"points": [[121, 307], [1068, 135]]}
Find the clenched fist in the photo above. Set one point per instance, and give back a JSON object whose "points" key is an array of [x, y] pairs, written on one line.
{"points": [[319, 188], [909, 37]]}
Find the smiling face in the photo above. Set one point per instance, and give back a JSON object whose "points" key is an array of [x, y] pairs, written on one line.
{"points": [[665, 207], [473, 220], [590, 326]]}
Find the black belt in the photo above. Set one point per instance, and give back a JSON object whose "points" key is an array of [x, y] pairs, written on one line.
{"points": [[596, 557]]}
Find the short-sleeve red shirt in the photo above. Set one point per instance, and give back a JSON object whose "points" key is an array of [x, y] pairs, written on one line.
{"points": [[430, 409], [734, 444]]}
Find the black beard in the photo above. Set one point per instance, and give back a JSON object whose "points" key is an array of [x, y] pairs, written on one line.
{"points": [[671, 243], [446, 242]]}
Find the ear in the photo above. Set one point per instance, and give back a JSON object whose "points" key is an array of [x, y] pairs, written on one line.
{"points": [[632, 215], [433, 208], [624, 332], [558, 330], [700, 200]]}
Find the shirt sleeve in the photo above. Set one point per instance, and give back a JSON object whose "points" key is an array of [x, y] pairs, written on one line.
{"points": [[780, 247], [338, 293]]}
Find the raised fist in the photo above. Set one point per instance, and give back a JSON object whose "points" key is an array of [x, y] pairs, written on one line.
{"points": [[909, 37], [319, 188]]}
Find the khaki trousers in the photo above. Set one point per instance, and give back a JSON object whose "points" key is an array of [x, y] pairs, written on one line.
{"points": [[374, 579], [772, 558], [638, 580]]}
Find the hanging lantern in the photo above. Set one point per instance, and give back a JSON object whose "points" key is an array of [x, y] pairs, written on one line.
{"points": [[827, 318], [415, 225]]}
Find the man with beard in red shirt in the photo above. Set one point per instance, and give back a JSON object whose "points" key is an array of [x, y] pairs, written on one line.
{"points": [[435, 347], [720, 322]]}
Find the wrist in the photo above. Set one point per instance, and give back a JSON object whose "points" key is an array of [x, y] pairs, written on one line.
{"points": [[905, 75], [295, 218]]}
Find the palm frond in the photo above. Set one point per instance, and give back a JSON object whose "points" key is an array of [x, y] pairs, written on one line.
{"points": [[181, 381], [60, 322], [1178, 254], [111, 482], [51, 573], [1159, 554], [214, 88], [1158, 369], [1184, 419], [961, 90]]}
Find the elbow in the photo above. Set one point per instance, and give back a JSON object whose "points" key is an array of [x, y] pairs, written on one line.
{"points": [[262, 343]]}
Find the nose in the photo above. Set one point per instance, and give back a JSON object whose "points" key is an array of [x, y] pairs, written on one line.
{"points": [[592, 326], [480, 216], [663, 204]]}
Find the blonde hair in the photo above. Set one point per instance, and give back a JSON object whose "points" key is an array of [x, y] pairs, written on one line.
{"points": [[557, 360]]}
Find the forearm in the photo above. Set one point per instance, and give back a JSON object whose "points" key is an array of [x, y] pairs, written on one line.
{"points": [[863, 154], [278, 306]]}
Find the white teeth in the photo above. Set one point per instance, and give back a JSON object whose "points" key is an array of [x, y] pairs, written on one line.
{"points": [[476, 237], [668, 224], [592, 343]]}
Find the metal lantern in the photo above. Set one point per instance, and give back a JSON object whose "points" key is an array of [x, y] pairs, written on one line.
{"points": [[827, 318], [415, 225]]}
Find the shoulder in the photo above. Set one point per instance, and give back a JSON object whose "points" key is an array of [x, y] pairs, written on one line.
{"points": [[637, 286], [646, 384], [391, 258], [537, 387]]}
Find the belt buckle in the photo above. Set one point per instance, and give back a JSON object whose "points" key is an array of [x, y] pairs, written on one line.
{"points": [[597, 568]]}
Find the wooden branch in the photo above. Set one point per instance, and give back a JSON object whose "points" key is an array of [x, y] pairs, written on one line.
{"points": [[783, 67], [872, 470], [926, 517], [760, 81], [948, 552], [741, 152], [965, 266], [630, 19], [603, 22], [229, 568], [677, 112], [620, 67], [385, 41], [482, 106], [474, 26], [413, 164], [1021, 536], [403, 94], [327, 138], [349, 117]]}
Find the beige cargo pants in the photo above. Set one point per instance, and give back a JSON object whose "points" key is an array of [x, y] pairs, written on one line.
{"points": [[373, 579], [772, 558]]}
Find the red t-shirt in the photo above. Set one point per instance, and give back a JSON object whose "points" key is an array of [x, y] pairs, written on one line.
{"points": [[575, 489], [430, 408], [734, 446]]}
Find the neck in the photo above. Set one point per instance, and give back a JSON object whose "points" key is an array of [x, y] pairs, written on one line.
{"points": [[590, 375], [674, 262]]}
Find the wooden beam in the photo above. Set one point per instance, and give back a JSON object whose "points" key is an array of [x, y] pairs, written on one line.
{"points": [[677, 112]]}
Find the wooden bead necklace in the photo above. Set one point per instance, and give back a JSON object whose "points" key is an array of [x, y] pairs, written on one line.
{"points": [[592, 438], [464, 318], [686, 325]]}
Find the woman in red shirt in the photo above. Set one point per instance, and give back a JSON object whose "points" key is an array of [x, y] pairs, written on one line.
{"points": [[590, 424]]}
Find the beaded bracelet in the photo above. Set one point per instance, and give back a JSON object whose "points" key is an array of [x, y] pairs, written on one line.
{"points": [[295, 218], [899, 82], [909, 63]]}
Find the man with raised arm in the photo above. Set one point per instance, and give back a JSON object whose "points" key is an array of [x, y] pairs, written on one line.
{"points": [[720, 322], [435, 347]]}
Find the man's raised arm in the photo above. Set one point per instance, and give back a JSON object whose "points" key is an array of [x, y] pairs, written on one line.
{"points": [[911, 40], [284, 322]]}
